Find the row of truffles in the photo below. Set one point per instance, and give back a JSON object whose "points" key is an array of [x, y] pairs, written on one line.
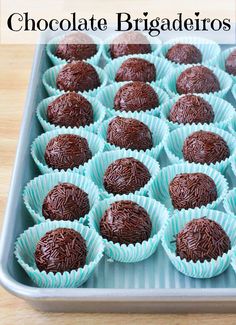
{"points": [[79, 46], [126, 222]]}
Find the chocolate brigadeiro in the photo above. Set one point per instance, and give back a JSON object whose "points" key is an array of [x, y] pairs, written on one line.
{"points": [[202, 240], [136, 69], [184, 54], [205, 148], [129, 133], [125, 175], [230, 63], [70, 110], [191, 109], [135, 97], [126, 222], [197, 79], [65, 202], [129, 43], [188, 191], [77, 76], [67, 151], [60, 250], [76, 46]]}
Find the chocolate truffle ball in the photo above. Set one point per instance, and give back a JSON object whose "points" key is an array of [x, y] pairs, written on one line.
{"points": [[65, 202], [129, 133], [205, 148], [60, 250], [67, 151], [129, 43], [125, 222], [136, 69], [70, 110], [76, 46], [188, 191], [77, 76], [135, 96], [197, 79], [184, 54], [125, 175], [230, 63], [191, 109], [202, 240]]}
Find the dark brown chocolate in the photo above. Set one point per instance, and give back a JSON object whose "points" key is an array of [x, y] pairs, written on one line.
{"points": [[125, 175], [136, 69], [230, 63], [129, 43], [125, 222], [136, 96], [129, 133], [70, 110], [205, 148], [191, 109], [197, 79], [67, 151], [65, 202], [78, 76], [60, 250], [202, 240], [184, 54], [76, 46], [191, 190]]}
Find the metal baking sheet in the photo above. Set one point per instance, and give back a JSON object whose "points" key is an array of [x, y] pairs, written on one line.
{"points": [[153, 285]]}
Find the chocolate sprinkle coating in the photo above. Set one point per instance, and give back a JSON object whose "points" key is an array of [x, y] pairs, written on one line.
{"points": [[67, 151], [135, 97], [136, 69], [60, 250], [129, 133], [65, 202], [230, 63], [129, 43], [76, 46], [197, 79], [191, 109], [188, 191], [125, 222], [202, 240], [205, 148], [70, 110], [184, 54], [125, 175], [77, 76]]}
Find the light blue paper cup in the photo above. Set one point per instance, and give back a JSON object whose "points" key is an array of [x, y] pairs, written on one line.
{"points": [[230, 202], [26, 245], [154, 42], [224, 80], [96, 168], [158, 128], [209, 49], [174, 144], [232, 125], [223, 110], [38, 188], [133, 252], [96, 145], [233, 90], [163, 67], [52, 45], [219, 61], [159, 189], [198, 270], [99, 113], [107, 94], [233, 164], [50, 76]]}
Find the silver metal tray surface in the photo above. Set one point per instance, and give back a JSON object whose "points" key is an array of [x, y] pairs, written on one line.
{"points": [[153, 285]]}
